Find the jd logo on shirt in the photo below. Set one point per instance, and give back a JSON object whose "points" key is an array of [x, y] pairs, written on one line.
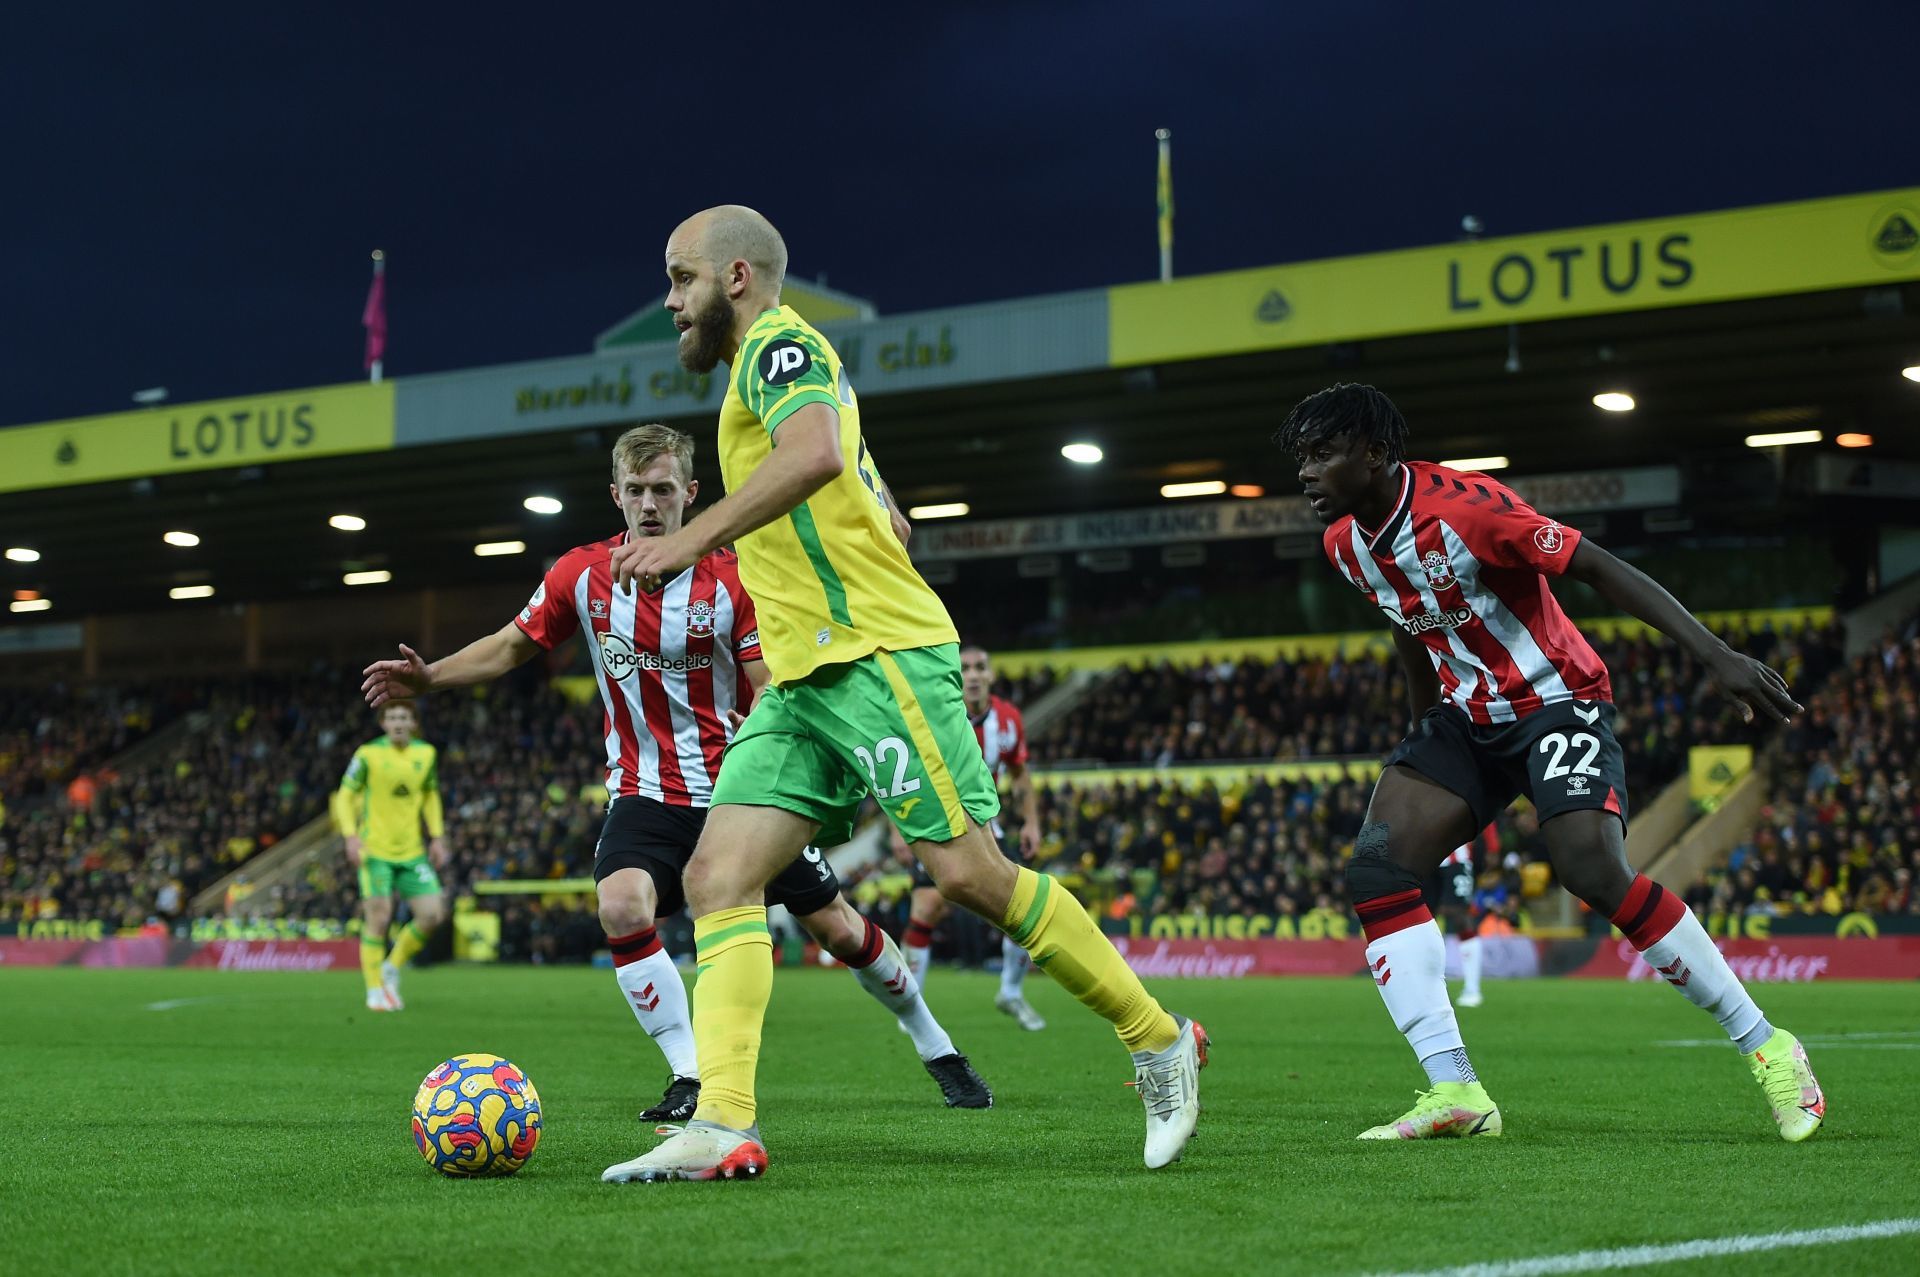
{"points": [[784, 361]]}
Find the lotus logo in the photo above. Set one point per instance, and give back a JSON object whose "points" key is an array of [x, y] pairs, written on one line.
{"points": [[1895, 235]]}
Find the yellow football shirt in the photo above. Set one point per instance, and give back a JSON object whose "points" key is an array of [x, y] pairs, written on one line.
{"points": [[830, 582], [385, 794]]}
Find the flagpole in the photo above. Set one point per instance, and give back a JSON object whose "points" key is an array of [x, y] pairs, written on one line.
{"points": [[1165, 191], [375, 368]]}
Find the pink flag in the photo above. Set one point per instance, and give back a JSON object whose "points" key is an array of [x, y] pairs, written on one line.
{"points": [[374, 316]]}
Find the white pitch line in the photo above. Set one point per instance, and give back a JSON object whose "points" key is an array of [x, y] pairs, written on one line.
{"points": [[1594, 1261], [173, 1003]]}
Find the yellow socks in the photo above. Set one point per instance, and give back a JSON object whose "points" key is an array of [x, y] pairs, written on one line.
{"points": [[373, 949], [1044, 919], [735, 981], [407, 944]]}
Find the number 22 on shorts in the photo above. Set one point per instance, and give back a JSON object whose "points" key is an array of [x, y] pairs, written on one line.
{"points": [[891, 749]]}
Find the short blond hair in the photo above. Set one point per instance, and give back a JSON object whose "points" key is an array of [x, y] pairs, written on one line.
{"points": [[635, 450]]}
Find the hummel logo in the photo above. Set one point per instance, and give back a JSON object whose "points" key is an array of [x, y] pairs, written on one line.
{"points": [[646, 999], [1380, 972], [1587, 716], [1676, 973], [898, 985], [906, 809]]}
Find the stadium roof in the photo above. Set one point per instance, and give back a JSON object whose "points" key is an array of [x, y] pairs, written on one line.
{"points": [[1704, 376]]}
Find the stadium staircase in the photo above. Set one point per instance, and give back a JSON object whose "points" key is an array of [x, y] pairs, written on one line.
{"points": [[278, 865], [1064, 699], [1677, 855], [156, 745]]}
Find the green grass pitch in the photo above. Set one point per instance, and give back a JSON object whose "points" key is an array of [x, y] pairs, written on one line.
{"points": [[257, 1123]]}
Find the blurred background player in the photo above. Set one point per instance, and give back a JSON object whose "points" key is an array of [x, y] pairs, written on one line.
{"points": [[674, 665], [1002, 734], [865, 699], [391, 787], [1453, 901], [1507, 698]]}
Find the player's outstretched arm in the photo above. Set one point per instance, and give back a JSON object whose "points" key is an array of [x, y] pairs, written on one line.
{"points": [[1750, 684], [806, 457], [1423, 681], [480, 661]]}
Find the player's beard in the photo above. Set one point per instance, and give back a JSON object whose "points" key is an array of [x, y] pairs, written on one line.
{"points": [[701, 346]]}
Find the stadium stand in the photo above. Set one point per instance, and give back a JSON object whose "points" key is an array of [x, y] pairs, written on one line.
{"points": [[52, 734], [1841, 829], [521, 770]]}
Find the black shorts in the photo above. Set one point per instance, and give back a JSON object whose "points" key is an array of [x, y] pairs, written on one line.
{"points": [[1452, 887], [1564, 758], [643, 833], [1009, 847]]}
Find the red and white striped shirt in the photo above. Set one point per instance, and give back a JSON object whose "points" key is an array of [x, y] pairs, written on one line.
{"points": [[1462, 564], [1002, 734], [670, 664]]}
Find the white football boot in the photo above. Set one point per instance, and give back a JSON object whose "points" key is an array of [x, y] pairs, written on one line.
{"points": [[1169, 1086], [698, 1151], [1023, 1013], [390, 981]]}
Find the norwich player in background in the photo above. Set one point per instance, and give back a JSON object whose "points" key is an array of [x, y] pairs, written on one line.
{"points": [[865, 698], [391, 787]]}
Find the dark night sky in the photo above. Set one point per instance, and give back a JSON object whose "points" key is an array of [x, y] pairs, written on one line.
{"points": [[193, 197]]}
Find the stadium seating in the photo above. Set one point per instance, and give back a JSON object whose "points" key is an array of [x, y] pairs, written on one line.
{"points": [[273, 749], [1841, 830], [521, 780], [50, 735]]}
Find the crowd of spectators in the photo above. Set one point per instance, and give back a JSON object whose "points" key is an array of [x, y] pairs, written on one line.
{"points": [[1162, 714], [520, 768], [1256, 846], [521, 771], [51, 735], [1840, 832], [1250, 846]]}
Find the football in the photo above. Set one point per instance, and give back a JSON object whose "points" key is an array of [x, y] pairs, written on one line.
{"points": [[475, 1116]]}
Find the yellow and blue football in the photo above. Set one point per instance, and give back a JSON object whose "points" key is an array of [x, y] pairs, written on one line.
{"points": [[476, 1115]]}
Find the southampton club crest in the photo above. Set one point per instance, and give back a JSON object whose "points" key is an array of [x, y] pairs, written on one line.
{"points": [[1439, 571], [700, 619]]}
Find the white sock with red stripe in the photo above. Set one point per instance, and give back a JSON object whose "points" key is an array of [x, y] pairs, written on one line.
{"points": [[652, 986], [1407, 957], [1470, 960], [884, 973], [919, 948], [1672, 941]]}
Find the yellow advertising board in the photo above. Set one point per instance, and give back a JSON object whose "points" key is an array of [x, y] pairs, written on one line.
{"points": [[1773, 249], [1714, 769], [285, 425]]}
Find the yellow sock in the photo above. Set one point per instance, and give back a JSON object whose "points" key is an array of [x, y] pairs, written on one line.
{"points": [[372, 950], [407, 945], [1044, 919], [735, 981]]}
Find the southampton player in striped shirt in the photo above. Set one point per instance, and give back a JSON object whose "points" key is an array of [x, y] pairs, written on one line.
{"points": [[1507, 698], [865, 699], [674, 667]]}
